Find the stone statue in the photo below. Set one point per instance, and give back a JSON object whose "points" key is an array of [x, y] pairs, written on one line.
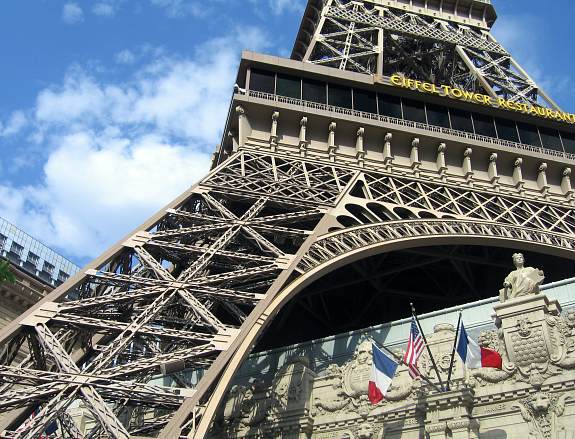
{"points": [[523, 281]]}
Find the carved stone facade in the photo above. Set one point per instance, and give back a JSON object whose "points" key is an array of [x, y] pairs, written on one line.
{"points": [[532, 397]]}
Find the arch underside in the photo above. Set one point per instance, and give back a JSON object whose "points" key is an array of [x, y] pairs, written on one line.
{"points": [[338, 249]]}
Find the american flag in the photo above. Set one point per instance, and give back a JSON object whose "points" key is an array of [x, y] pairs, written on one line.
{"points": [[415, 347]]}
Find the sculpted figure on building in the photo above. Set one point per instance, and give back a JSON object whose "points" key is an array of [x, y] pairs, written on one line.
{"points": [[522, 281]]}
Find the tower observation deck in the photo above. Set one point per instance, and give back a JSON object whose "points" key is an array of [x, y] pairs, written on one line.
{"points": [[401, 155]]}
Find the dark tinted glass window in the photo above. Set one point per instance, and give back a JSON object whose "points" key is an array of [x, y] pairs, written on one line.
{"points": [[550, 139], [484, 125], [413, 110], [339, 96], [389, 105], [289, 86], [506, 130], [528, 134], [461, 120], [262, 81], [364, 101], [314, 91], [437, 115], [569, 142]]}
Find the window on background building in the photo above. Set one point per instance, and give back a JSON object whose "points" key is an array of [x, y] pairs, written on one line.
{"points": [[506, 130], [389, 105], [339, 96], [261, 80], [484, 125], [289, 86], [16, 249], [461, 120], [32, 258], [568, 143], [365, 101], [550, 138], [48, 268], [62, 277], [437, 115], [414, 110], [314, 91], [528, 134], [3, 240]]}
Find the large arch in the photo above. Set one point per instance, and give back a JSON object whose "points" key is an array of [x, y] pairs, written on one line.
{"points": [[334, 250]]}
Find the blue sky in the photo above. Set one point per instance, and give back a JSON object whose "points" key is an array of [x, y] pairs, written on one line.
{"points": [[110, 108]]}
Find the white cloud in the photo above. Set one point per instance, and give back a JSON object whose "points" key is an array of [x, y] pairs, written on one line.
{"points": [[120, 151], [72, 13], [278, 7], [181, 8], [104, 9], [14, 125], [125, 57]]}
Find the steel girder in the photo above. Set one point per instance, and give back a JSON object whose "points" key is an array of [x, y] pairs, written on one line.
{"points": [[361, 37], [183, 291]]}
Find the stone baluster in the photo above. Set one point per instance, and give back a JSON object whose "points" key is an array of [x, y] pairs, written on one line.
{"points": [[518, 175], [303, 142], [274, 131], [440, 161], [542, 179], [467, 168], [387, 156], [414, 156], [566, 184], [359, 150], [492, 170], [331, 148], [243, 126]]}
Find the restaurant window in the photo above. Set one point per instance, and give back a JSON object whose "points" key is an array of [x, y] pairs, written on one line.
{"points": [[339, 96], [507, 130], [461, 120], [414, 110], [484, 125], [314, 91], [389, 105], [364, 101], [550, 139], [437, 115], [289, 86], [528, 134], [568, 143], [261, 80]]}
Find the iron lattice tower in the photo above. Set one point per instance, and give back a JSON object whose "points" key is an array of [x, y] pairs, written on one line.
{"points": [[439, 41], [318, 167]]}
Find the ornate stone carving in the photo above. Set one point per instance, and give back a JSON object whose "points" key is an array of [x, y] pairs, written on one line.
{"points": [[523, 281], [542, 412]]}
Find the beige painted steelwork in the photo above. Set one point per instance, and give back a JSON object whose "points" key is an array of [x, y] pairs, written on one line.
{"points": [[298, 189]]}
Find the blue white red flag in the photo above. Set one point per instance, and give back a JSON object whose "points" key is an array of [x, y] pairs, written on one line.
{"points": [[382, 371], [475, 356], [415, 346]]}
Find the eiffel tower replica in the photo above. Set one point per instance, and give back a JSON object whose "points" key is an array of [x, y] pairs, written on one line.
{"points": [[396, 124]]}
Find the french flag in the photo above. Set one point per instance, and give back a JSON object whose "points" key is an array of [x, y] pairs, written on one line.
{"points": [[382, 371], [475, 356]]}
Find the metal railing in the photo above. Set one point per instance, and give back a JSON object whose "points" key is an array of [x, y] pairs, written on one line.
{"points": [[406, 123]]}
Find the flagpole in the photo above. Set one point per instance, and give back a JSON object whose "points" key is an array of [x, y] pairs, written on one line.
{"points": [[399, 357], [453, 351], [427, 346]]}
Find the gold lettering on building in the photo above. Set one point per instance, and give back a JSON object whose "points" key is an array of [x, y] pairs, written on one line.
{"points": [[481, 99]]}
